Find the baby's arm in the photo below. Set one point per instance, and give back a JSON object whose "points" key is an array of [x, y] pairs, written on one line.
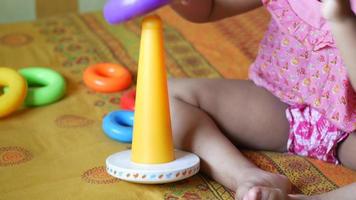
{"points": [[211, 10], [343, 24]]}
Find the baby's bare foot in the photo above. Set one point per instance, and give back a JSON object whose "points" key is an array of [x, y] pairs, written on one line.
{"points": [[260, 185], [265, 193]]}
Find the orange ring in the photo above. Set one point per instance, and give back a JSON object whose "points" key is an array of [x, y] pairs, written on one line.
{"points": [[107, 77]]}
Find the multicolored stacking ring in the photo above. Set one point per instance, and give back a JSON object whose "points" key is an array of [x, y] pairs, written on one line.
{"points": [[107, 77], [117, 125], [127, 101], [117, 11], [45, 86], [15, 93]]}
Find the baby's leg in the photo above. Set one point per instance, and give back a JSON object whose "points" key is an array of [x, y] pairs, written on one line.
{"points": [[346, 154], [345, 193], [347, 151], [210, 116]]}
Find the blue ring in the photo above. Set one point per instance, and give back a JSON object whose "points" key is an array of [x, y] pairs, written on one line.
{"points": [[118, 125]]}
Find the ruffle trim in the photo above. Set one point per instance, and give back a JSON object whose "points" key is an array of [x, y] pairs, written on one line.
{"points": [[291, 23]]}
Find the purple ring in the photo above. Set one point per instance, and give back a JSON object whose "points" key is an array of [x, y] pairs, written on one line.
{"points": [[117, 11]]}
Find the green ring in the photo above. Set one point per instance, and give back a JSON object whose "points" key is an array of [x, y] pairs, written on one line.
{"points": [[45, 86]]}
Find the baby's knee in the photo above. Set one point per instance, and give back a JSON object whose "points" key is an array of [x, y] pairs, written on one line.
{"points": [[182, 90], [183, 117], [173, 85]]}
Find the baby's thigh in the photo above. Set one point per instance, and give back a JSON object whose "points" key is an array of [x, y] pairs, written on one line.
{"points": [[347, 150], [248, 115]]}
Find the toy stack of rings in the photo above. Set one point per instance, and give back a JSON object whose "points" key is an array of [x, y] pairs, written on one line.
{"points": [[107, 77], [152, 158], [33, 86]]}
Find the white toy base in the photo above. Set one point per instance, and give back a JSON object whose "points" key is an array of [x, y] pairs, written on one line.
{"points": [[120, 166]]}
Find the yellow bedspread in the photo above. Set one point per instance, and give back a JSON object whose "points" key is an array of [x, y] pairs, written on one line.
{"points": [[59, 151]]}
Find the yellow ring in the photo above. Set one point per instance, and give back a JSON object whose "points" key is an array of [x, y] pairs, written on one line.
{"points": [[15, 93]]}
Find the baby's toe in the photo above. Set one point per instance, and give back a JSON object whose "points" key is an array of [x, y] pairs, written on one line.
{"points": [[265, 193]]}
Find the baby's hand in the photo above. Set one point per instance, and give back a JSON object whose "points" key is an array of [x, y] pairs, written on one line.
{"points": [[181, 2], [337, 10]]}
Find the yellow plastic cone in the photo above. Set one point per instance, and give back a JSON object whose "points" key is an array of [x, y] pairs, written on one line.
{"points": [[152, 135]]}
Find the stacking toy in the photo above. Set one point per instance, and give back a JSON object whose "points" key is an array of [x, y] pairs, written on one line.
{"points": [[127, 101], [117, 11], [107, 77], [46, 86], [152, 158], [16, 89], [117, 125]]}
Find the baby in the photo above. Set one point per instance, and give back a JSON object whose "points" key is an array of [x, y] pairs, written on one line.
{"points": [[300, 97]]}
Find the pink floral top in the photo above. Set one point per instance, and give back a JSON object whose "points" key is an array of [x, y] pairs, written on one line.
{"points": [[299, 62]]}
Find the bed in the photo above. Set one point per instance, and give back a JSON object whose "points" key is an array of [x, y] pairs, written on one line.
{"points": [[58, 151]]}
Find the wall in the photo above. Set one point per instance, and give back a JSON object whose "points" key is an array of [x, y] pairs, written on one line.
{"points": [[24, 10]]}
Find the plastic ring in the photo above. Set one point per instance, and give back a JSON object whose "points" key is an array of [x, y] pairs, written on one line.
{"points": [[127, 101], [117, 125], [15, 94], [45, 86], [129, 10], [107, 77]]}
